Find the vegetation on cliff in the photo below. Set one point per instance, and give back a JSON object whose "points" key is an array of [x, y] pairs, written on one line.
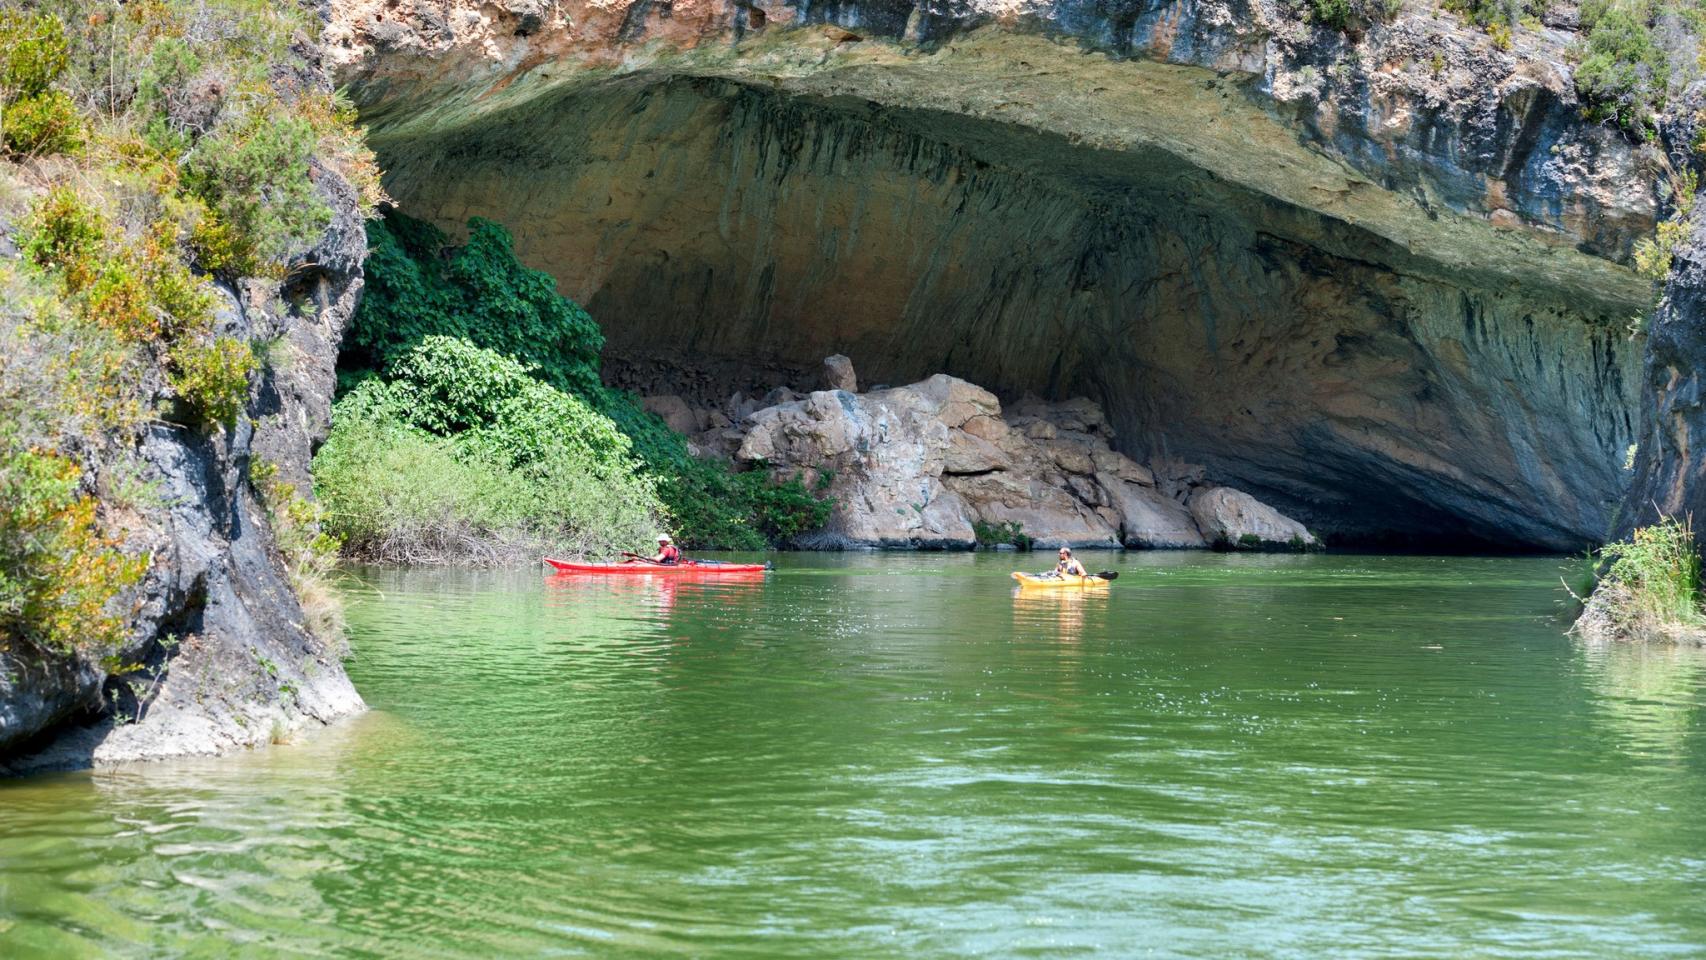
{"points": [[1648, 587], [475, 426], [152, 151]]}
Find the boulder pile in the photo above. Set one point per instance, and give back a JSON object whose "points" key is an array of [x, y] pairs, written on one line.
{"points": [[939, 464]]}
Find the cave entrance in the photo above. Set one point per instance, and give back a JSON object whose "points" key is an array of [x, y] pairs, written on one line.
{"points": [[728, 237]]}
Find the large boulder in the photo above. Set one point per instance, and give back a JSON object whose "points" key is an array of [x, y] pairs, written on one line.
{"points": [[1233, 518], [885, 452], [1150, 519]]}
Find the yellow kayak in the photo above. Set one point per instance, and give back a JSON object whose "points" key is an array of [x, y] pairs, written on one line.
{"points": [[1032, 581]]}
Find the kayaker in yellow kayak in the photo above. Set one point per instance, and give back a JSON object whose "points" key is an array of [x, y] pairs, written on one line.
{"points": [[1069, 565]]}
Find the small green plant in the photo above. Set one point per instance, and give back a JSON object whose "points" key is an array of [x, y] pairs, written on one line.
{"points": [[252, 172], [213, 378], [781, 509], [1004, 532], [47, 123], [1650, 583], [1624, 72], [1653, 255], [66, 235], [34, 117], [59, 574]]}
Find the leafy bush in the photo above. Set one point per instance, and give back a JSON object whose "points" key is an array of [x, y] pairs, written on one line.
{"points": [[479, 293], [58, 573], [33, 53], [252, 172], [1346, 15], [461, 455], [397, 494], [64, 234], [48, 123], [213, 378], [995, 534], [1653, 255], [781, 509], [1623, 74], [494, 408], [1650, 585], [481, 296]]}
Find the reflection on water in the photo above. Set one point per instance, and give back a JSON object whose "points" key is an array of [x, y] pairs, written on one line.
{"points": [[1648, 696], [874, 756]]}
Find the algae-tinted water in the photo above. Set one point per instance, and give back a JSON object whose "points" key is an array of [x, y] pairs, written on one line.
{"points": [[894, 756]]}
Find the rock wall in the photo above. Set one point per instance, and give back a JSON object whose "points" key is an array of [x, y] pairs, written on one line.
{"points": [[1381, 282], [1671, 465], [220, 654]]}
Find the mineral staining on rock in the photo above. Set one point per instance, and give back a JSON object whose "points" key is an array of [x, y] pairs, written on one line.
{"points": [[927, 465], [1378, 283]]}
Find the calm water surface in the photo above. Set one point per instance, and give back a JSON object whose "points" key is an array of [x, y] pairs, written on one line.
{"points": [[894, 756]]}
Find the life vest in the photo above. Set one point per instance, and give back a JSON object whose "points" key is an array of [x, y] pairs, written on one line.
{"points": [[670, 553]]}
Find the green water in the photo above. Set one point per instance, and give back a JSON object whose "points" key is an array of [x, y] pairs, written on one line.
{"points": [[894, 756]]}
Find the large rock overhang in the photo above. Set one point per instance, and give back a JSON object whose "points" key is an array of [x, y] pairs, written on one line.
{"points": [[1393, 321]]}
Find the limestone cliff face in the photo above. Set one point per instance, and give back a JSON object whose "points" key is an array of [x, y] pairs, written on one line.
{"points": [[219, 653], [1380, 282]]}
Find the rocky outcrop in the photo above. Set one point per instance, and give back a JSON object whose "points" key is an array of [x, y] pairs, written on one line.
{"points": [[1378, 281], [1669, 465], [939, 465], [219, 653]]}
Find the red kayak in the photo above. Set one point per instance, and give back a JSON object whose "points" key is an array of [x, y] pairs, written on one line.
{"points": [[694, 567]]}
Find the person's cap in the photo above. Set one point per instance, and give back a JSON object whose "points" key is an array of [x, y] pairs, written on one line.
{"points": [[1065, 549], [663, 538]]}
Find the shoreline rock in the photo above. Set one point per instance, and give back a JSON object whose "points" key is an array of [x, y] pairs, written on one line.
{"points": [[934, 464]]}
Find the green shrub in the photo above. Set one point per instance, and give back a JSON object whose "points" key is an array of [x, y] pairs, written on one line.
{"points": [[1650, 584], [480, 293], [1623, 74], [481, 296], [994, 534], [1347, 15], [33, 53], [396, 494], [45, 123], [461, 455], [58, 573], [252, 172], [494, 408], [1653, 255], [66, 235], [781, 509], [213, 378], [164, 83]]}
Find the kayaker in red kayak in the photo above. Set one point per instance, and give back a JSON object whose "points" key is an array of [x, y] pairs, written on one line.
{"points": [[668, 553]]}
